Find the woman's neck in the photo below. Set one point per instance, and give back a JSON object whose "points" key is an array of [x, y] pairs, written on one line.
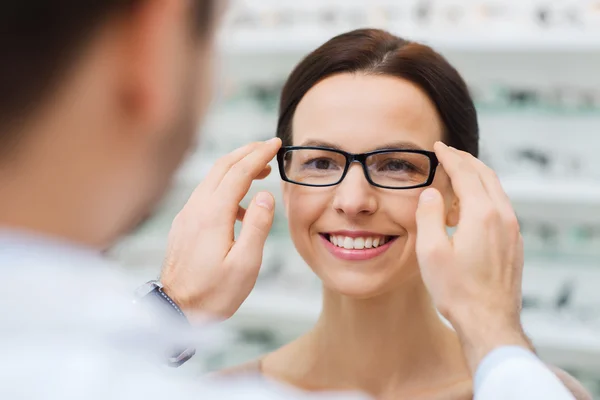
{"points": [[379, 344]]}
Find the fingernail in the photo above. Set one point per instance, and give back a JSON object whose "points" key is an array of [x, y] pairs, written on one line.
{"points": [[442, 144], [265, 200], [427, 195], [272, 140]]}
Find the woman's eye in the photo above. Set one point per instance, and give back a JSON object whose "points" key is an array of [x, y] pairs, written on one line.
{"points": [[398, 165], [319, 163]]}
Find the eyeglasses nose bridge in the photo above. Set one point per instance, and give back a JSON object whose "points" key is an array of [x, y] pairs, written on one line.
{"points": [[360, 159]]}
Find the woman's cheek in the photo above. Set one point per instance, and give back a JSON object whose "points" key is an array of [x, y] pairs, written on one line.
{"points": [[403, 210], [304, 210]]}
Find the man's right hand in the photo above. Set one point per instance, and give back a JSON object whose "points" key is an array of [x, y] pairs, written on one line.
{"points": [[207, 272], [475, 276]]}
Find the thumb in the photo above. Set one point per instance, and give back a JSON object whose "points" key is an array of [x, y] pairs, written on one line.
{"points": [[247, 252], [432, 238]]}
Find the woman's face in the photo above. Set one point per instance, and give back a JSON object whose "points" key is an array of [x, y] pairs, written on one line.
{"points": [[359, 113]]}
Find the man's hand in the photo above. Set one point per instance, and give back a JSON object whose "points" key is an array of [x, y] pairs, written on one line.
{"points": [[208, 272], [475, 276]]}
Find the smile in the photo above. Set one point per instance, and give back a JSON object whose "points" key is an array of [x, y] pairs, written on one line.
{"points": [[356, 245]]}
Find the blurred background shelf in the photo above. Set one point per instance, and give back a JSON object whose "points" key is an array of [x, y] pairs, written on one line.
{"points": [[560, 192], [289, 41], [565, 200]]}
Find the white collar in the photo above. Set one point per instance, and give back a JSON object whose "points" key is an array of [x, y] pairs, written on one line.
{"points": [[26, 247]]}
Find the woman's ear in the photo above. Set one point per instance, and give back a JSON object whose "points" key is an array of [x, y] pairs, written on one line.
{"points": [[286, 197], [453, 214]]}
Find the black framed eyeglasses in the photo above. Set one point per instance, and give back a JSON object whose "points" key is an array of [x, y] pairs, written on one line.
{"points": [[388, 169]]}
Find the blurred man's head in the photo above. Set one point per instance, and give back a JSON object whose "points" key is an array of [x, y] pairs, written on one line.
{"points": [[99, 102]]}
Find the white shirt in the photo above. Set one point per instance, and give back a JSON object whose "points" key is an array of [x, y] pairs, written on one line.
{"points": [[69, 330], [516, 373]]}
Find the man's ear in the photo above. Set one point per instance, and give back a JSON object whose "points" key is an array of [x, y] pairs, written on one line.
{"points": [[153, 59], [453, 213]]}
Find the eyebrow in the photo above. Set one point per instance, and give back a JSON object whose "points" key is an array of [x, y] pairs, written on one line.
{"points": [[387, 146]]}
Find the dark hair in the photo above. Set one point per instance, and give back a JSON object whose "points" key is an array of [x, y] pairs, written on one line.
{"points": [[373, 51], [39, 40]]}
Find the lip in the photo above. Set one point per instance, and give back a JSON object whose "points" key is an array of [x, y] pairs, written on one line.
{"points": [[355, 234], [354, 254]]}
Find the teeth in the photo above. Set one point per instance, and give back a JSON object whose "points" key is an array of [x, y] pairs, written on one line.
{"points": [[358, 243], [348, 243]]}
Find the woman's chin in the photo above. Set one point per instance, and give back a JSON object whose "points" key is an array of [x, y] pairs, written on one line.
{"points": [[357, 285]]}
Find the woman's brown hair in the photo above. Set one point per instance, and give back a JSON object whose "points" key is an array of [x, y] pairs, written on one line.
{"points": [[377, 52]]}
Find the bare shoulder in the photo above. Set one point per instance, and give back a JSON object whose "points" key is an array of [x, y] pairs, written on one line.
{"points": [[574, 386]]}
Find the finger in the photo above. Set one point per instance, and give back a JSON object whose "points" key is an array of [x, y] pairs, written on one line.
{"points": [[490, 182], [237, 180], [218, 171], [265, 172], [224, 164], [241, 213], [465, 180], [432, 240], [241, 210], [247, 252]]}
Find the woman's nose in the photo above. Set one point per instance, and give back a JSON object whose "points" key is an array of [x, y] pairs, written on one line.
{"points": [[355, 196]]}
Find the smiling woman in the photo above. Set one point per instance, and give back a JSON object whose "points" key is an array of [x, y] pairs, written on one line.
{"points": [[358, 119]]}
